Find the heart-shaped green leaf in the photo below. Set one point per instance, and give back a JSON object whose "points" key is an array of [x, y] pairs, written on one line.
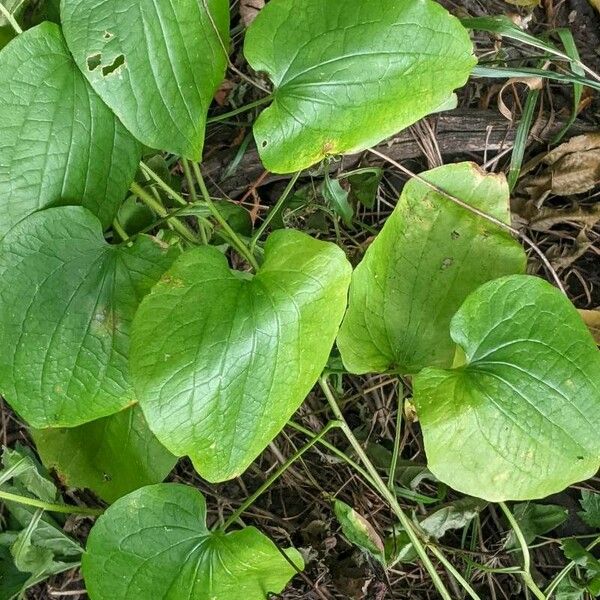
{"points": [[156, 64], [59, 143], [67, 300], [520, 419], [429, 256], [154, 543], [111, 456], [238, 354], [346, 77]]}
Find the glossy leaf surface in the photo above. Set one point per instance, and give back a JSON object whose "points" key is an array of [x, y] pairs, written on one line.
{"points": [[156, 64], [67, 300], [155, 543], [429, 256], [59, 143], [344, 79], [520, 419], [111, 456], [241, 353]]}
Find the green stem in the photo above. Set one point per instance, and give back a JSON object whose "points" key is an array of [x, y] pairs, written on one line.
{"points": [[274, 210], [453, 571], [335, 451], [385, 492], [567, 569], [282, 469], [158, 208], [57, 508], [396, 450], [119, 229], [239, 111], [236, 241], [162, 184], [10, 18], [192, 190], [526, 573]]}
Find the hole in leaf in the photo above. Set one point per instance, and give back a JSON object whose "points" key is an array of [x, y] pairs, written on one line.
{"points": [[108, 35], [94, 61], [109, 69], [264, 143]]}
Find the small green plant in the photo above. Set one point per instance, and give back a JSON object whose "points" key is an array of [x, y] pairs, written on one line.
{"points": [[128, 340]]}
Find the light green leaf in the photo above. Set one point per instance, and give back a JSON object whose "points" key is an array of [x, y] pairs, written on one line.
{"points": [[67, 300], [111, 456], [21, 467], [520, 419], [59, 143], [156, 64], [242, 352], [429, 256], [456, 515], [535, 519], [346, 79], [154, 543], [359, 531]]}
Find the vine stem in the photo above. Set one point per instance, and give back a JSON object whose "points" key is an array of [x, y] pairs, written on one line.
{"points": [[236, 241], [162, 184], [385, 493], [10, 18], [57, 508], [192, 190], [158, 208], [479, 213], [567, 569], [277, 474], [289, 187], [396, 450], [239, 111], [526, 573]]}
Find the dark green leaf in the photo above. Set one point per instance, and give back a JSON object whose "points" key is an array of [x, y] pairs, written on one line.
{"points": [[156, 64], [364, 185], [67, 300], [111, 456], [242, 352], [22, 468], [535, 519], [337, 198], [345, 78], [590, 502], [520, 419], [429, 256], [59, 143], [154, 543]]}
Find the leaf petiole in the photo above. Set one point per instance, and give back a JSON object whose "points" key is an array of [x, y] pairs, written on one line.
{"points": [[236, 241], [10, 18], [284, 467], [58, 508]]}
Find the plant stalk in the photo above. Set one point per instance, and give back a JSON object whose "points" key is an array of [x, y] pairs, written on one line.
{"points": [[239, 111], [157, 207], [10, 18], [274, 210], [57, 508], [192, 190], [526, 573], [385, 492], [236, 241], [282, 469]]}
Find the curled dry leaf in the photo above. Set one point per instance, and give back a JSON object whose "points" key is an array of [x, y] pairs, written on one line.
{"points": [[249, 10], [573, 168]]}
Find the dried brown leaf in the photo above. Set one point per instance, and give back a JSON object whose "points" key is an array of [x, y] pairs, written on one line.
{"points": [[572, 168]]}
